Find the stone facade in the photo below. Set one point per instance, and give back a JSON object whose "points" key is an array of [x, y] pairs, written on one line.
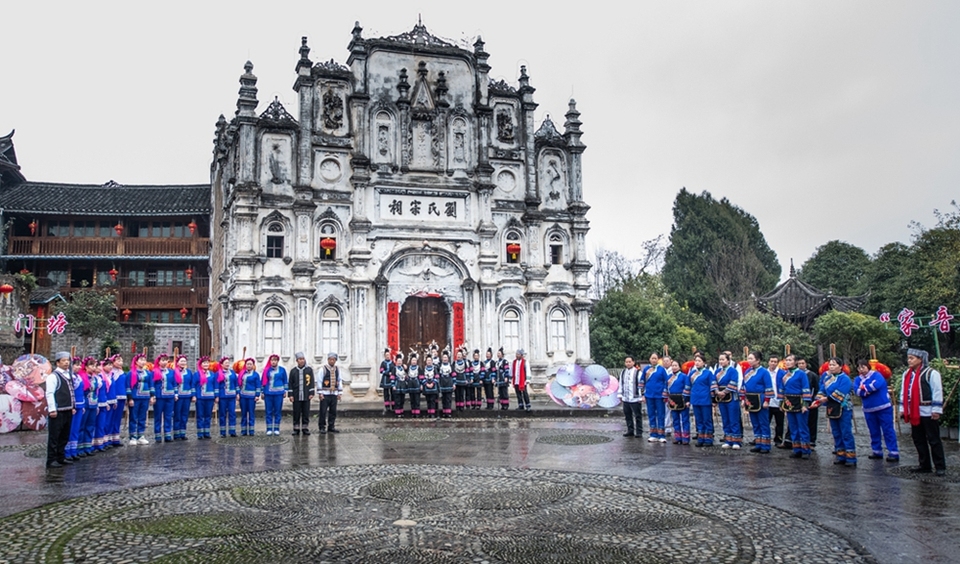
{"points": [[410, 200]]}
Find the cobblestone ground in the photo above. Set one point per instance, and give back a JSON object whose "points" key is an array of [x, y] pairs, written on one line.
{"points": [[552, 490]]}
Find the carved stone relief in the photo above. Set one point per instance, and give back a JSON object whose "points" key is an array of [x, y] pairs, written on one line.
{"points": [[332, 110], [505, 127], [553, 180], [275, 163], [383, 150], [460, 144]]}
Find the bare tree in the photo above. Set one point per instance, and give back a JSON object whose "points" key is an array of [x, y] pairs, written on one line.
{"points": [[611, 270]]}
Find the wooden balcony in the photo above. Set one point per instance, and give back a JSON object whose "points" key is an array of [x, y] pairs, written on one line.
{"points": [[112, 246], [157, 297]]}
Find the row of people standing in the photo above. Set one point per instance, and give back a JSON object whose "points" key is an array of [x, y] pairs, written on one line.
{"points": [[663, 386], [444, 385]]}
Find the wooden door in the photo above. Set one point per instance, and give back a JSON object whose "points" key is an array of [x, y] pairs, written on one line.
{"points": [[422, 321]]}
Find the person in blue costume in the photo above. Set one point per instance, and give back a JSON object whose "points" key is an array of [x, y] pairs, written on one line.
{"points": [[703, 386], [72, 450], [388, 381], [654, 379], [250, 387], [676, 393], [795, 401], [106, 403], [139, 383], [119, 378], [755, 392], [502, 380], [871, 386], [166, 387], [228, 397], [728, 401], [186, 395], [836, 393], [275, 388], [90, 394], [208, 390]]}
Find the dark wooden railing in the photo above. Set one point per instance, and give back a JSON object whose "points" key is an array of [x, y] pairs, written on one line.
{"points": [[194, 246]]}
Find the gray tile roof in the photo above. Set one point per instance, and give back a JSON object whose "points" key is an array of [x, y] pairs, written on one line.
{"points": [[110, 199]]}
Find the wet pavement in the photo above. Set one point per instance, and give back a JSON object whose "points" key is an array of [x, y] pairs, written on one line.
{"points": [[540, 487]]}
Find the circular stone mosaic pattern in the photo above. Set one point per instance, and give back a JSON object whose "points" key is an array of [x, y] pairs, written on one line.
{"points": [[573, 440], [953, 475], [416, 514], [414, 436], [256, 440]]}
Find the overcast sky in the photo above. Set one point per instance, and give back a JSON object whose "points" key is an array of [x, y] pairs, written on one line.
{"points": [[825, 120]]}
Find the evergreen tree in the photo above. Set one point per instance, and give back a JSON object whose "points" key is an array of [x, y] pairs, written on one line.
{"points": [[716, 253], [837, 267]]}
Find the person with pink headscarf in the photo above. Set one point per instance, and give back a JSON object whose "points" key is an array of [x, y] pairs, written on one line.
{"points": [[139, 395], [229, 394], [119, 387], [275, 386], [186, 386], [250, 387], [166, 388], [89, 428], [106, 402], [207, 391]]}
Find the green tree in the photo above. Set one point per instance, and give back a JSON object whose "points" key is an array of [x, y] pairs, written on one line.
{"points": [[853, 333], [837, 267], [639, 318], [716, 253], [92, 316], [768, 334]]}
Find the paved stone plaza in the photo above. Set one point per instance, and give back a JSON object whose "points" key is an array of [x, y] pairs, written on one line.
{"points": [[478, 489]]}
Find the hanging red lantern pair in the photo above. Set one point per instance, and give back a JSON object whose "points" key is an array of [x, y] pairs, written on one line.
{"points": [[33, 227], [126, 317], [183, 312], [113, 272]]}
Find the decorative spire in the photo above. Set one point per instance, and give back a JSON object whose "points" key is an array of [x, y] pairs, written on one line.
{"points": [[441, 89], [571, 127], [525, 81], [793, 271], [357, 32], [403, 86], [304, 55], [422, 69], [247, 102]]}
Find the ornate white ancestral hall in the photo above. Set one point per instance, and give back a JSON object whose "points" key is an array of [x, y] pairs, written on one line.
{"points": [[409, 198]]}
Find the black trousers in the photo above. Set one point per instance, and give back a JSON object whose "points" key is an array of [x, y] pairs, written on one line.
{"points": [[926, 437], [414, 402], [446, 401], [777, 414], [488, 392], [459, 393], [813, 421], [58, 433], [631, 411], [503, 393], [328, 412], [523, 397], [301, 414], [431, 403]]}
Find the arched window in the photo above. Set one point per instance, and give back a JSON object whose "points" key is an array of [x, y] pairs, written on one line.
{"points": [[556, 248], [330, 331], [328, 242], [512, 248], [558, 330], [511, 330], [275, 240], [272, 331]]}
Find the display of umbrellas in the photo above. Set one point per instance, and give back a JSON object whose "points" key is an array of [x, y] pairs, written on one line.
{"points": [[584, 388], [23, 402]]}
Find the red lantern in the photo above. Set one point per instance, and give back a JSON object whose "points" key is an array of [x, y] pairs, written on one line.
{"points": [[118, 228], [6, 289], [24, 272], [33, 227], [183, 313], [514, 250], [189, 273], [192, 226], [328, 244], [133, 347], [113, 274], [126, 317]]}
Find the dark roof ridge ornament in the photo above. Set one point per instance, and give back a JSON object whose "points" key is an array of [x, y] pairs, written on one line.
{"points": [[112, 184], [793, 271], [277, 116]]}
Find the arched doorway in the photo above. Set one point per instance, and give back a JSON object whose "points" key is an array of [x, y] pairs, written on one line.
{"points": [[423, 320]]}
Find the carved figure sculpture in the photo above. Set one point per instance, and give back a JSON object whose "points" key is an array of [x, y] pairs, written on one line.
{"points": [[332, 110], [504, 126]]}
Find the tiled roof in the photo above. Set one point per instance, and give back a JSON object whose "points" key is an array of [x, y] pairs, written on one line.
{"points": [[42, 296], [107, 199]]}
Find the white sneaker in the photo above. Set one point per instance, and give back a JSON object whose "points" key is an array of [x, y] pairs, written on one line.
{"points": [[662, 440], [652, 440], [143, 441], [724, 445], [735, 447], [133, 442]]}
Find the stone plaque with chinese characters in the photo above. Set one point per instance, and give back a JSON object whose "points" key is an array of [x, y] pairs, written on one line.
{"points": [[420, 207]]}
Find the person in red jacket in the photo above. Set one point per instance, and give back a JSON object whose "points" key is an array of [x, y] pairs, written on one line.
{"points": [[518, 375]]}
